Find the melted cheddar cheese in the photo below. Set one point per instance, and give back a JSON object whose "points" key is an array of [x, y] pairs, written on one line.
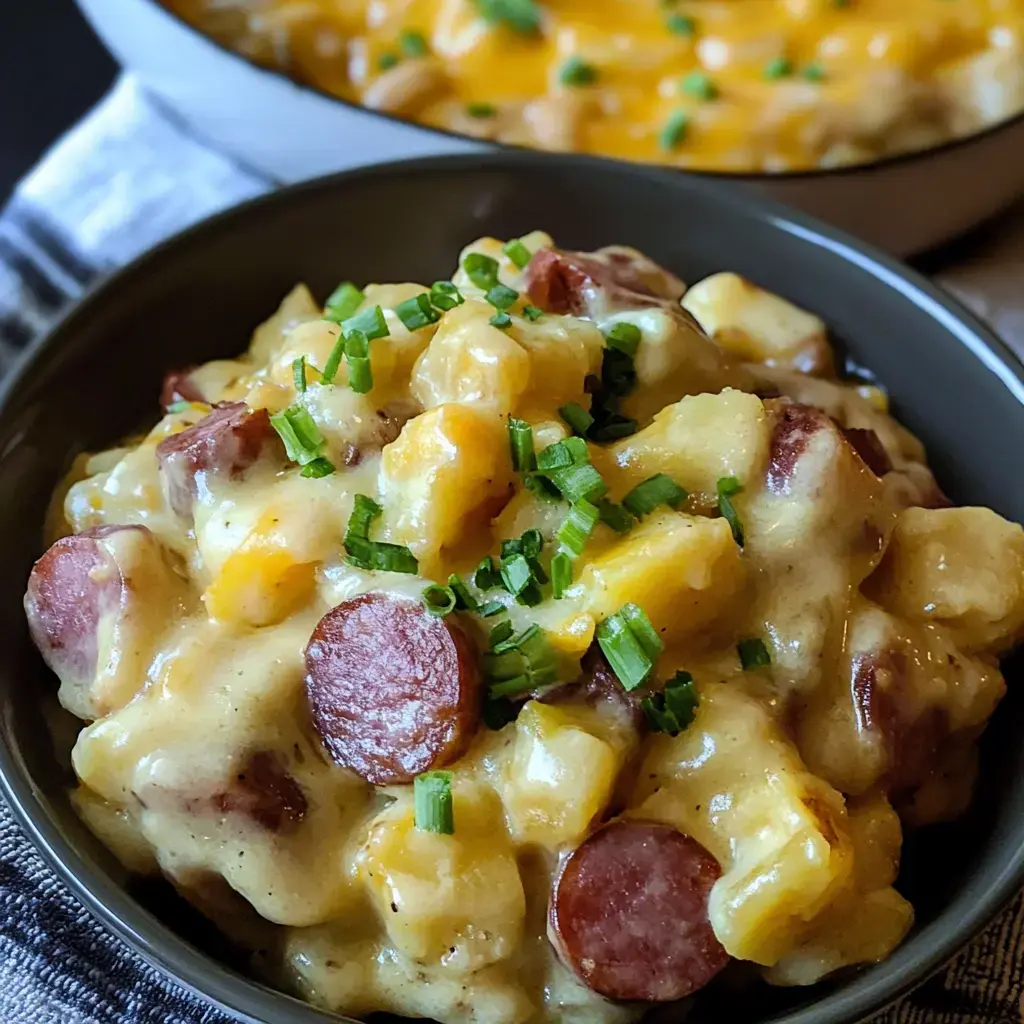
{"points": [[881, 618], [724, 85]]}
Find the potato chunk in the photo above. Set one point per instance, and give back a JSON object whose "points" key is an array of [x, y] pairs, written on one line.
{"points": [[455, 899], [962, 568], [735, 783], [448, 474], [697, 441], [758, 326]]}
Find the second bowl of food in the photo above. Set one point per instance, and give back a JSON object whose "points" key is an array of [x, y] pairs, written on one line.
{"points": [[546, 640]]}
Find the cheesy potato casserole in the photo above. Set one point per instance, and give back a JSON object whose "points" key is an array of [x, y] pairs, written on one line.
{"points": [[724, 85], [527, 647]]}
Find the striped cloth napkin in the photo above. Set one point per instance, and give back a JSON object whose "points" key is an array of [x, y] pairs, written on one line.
{"points": [[126, 177]]}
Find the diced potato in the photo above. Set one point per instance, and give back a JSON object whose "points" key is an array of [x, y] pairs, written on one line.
{"points": [[697, 441], [260, 584], [758, 326], [866, 922], [117, 828], [562, 351], [315, 340], [448, 474], [508, 273], [682, 570], [471, 361], [735, 783], [561, 775], [297, 306], [451, 899], [960, 567]]}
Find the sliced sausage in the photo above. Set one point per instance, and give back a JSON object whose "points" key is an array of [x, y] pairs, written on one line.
{"points": [[393, 690], [224, 443], [596, 283], [179, 386], [597, 684], [264, 791], [868, 445], [629, 912], [106, 588]]}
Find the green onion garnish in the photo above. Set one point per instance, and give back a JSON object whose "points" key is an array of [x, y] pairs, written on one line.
{"points": [[577, 417], [612, 427], [576, 72], [615, 516], [417, 312], [501, 296], [561, 574], [432, 803], [576, 528], [333, 363], [531, 543], [481, 110], [753, 654], [485, 611], [501, 320], [521, 663], [299, 373], [532, 313], [780, 67], [813, 72], [302, 439], [364, 511], [392, 558], [675, 708], [579, 482], [522, 16], [317, 468], [517, 253], [520, 439], [343, 301], [727, 487], [636, 618], [563, 454], [481, 270], [486, 577], [439, 600], [444, 296], [464, 600], [625, 337], [413, 43], [629, 660], [357, 355], [674, 130], [699, 85], [680, 25], [500, 633], [516, 574], [368, 554], [370, 322], [386, 61], [176, 407], [654, 491]]}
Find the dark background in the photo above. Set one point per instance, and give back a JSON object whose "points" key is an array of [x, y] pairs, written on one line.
{"points": [[52, 69]]}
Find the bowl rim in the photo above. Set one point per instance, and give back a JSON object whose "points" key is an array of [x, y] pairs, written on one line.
{"points": [[242, 996], [762, 177]]}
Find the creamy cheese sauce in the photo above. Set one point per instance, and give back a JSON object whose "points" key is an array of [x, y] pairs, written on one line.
{"points": [[882, 618], [732, 85]]}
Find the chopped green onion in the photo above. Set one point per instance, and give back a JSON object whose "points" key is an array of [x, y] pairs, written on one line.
{"points": [[615, 516], [576, 71], [176, 407], [813, 72], [577, 417], [674, 130], [512, 687], [579, 482], [675, 708], [561, 574], [364, 511], [531, 543], [299, 373], [386, 61], [532, 313], [501, 320], [481, 110], [654, 491], [333, 361], [625, 337], [517, 253], [413, 43], [491, 608], [626, 655], [486, 577], [481, 270], [357, 355], [368, 554], [636, 618], [753, 654], [522, 16], [699, 85], [302, 439], [520, 439], [464, 600], [444, 296], [780, 67], [417, 312], [521, 663], [439, 600], [432, 803], [563, 454], [393, 558], [680, 25], [501, 296], [576, 528], [343, 301], [727, 487], [541, 486], [370, 322], [317, 468], [612, 427], [500, 633], [618, 373], [516, 574]]}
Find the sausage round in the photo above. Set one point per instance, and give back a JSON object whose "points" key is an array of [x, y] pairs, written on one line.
{"points": [[178, 386], [393, 690], [629, 912]]}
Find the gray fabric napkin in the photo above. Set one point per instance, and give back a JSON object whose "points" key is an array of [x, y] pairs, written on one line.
{"points": [[126, 177]]}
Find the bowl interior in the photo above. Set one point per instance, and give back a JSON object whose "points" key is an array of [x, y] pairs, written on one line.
{"points": [[97, 377]]}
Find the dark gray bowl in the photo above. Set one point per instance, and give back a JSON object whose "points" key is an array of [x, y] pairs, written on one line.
{"points": [[97, 376]]}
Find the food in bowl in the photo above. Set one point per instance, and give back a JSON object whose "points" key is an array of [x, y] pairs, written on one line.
{"points": [[720, 85], [531, 646]]}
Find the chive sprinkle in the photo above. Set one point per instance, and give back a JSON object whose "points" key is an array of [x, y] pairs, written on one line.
{"points": [[481, 111], [625, 337], [370, 322], [640, 625], [753, 654], [615, 516], [517, 253], [577, 72], [357, 355], [577, 417], [464, 600], [386, 61], [522, 16], [445, 296], [343, 302], [299, 373], [576, 528], [333, 363], [699, 85], [501, 320], [561, 574], [629, 661], [654, 491], [520, 439], [319, 467], [481, 270], [675, 708], [439, 600], [302, 439], [532, 313], [813, 72], [413, 43], [417, 312], [432, 803], [727, 487], [674, 130], [780, 67], [501, 296], [680, 25]]}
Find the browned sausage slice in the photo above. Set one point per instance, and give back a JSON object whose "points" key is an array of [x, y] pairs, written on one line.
{"points": [[595, 283], [179, 386], [629, 912], [393, 690], [224, 443]]}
